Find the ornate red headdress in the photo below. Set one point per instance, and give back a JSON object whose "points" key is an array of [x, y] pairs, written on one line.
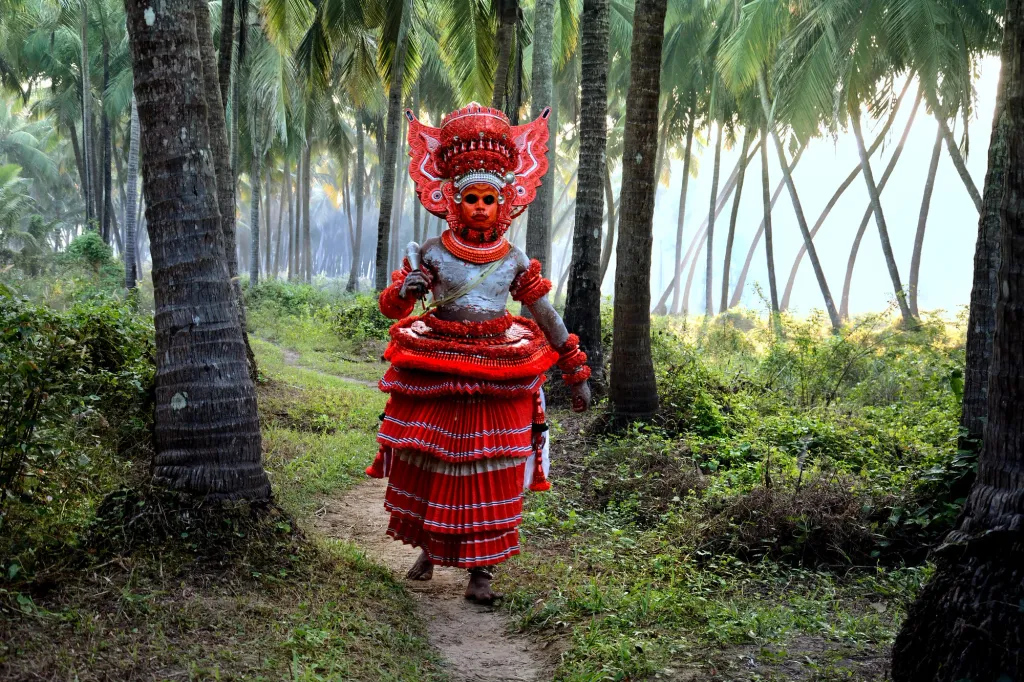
{"points": [[477, 144]]}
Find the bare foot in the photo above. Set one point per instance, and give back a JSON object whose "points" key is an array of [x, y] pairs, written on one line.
{"points": [[479, 588], [422, 569]]}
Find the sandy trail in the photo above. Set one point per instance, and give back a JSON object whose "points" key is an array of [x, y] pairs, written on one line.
{"points": [[473, 639]]}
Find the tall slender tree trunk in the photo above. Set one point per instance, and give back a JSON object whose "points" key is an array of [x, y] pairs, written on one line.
{"points": [[709, 292], [844, 304], [922, 222], [849, 181], [633, 390], [508, 11], [106, 160], [984, 290], [227, 35], [812, 253], [609, 237], [295, 250], [967, 622], [402, 181], [883, 229], [236, 112], [724, 195], [583, 299], [954, 150], [685, 185], [538, 218], [206, 429], [131, 275], [732, 226], [307, 250], [83, 172], [286, 192], [767, 203], [353, 274], [387, 182], [255, 173], [267, 240], [87, 150]]}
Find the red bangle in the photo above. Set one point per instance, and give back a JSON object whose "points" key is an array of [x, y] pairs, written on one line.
{"points": [[580, 375]]}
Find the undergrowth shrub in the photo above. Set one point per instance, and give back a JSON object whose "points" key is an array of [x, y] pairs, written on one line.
{"points": [[76, 398]]}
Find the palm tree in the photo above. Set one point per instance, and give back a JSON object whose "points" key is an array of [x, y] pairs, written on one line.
{"points": [[131, 276], [583, 302], [727, 261], [966, 622], [709, 304], [632, 388], [88, 180], [681, 217], [206, 432], [538, 219], [922, 222], [357, 245]]}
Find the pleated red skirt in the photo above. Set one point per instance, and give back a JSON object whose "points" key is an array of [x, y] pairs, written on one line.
{"points": [[463, 514]]}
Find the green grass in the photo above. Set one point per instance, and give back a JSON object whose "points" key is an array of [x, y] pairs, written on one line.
{"points": [[289, 607]]}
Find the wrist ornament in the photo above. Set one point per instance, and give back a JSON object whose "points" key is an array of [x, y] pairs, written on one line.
{"points": [[391, 302], [530, 286], [573, 361]]}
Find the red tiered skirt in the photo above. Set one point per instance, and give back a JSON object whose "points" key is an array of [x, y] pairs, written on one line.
{"points": [[457, 432]]}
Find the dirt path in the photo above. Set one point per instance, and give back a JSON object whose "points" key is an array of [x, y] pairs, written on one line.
{"points": [[291, 358], [473, 639]]}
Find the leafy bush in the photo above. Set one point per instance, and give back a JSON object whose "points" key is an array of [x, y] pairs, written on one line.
{"points": [[361, 320], [75, 391]]}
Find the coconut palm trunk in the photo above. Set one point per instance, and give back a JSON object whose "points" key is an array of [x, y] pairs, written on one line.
{"points": [[106, 160], [538, 219], [387, 182], [307, 247], [206, 430], [883, 228], [981, 325], [681, 216], [843, 187], [255, 173], [583, 300], [766, 203], [508, 11], [727, 261], [609, 237], [812, 253], [294, 219], [286, 192], [709, 303], [633, 390], [131, 275], [966, 623], [227, 34], [922, 222], [353, 274], [87, 151]]}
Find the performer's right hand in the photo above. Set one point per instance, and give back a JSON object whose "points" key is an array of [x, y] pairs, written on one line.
{"points": [[417, 284]]}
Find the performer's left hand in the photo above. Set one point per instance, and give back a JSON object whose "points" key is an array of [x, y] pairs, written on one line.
{"points": [[580, 396]]}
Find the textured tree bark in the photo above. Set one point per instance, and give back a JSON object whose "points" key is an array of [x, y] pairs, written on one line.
{"points": [[402, 181], [387, 181], [87, 150], [843, 187], [766, 221], [508, 11], [255, 173], [206, 432], [922, 222], [883, 229], [812, 253], [106, 160], [732, 226], [583, 298], [227, 34], [709, 292], [681, 217], [982, 323], [131, 275], [353, 274], [307, 250], [967, 622], [633, 390], [538, 218]]}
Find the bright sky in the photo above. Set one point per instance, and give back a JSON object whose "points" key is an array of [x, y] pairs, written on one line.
{"points": [[949, 241]]}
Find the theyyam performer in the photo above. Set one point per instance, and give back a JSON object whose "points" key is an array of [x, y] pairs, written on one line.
{"points": [[463, 433]]}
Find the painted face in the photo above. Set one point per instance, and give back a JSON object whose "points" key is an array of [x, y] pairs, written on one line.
{"points": [[479, 207]]}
